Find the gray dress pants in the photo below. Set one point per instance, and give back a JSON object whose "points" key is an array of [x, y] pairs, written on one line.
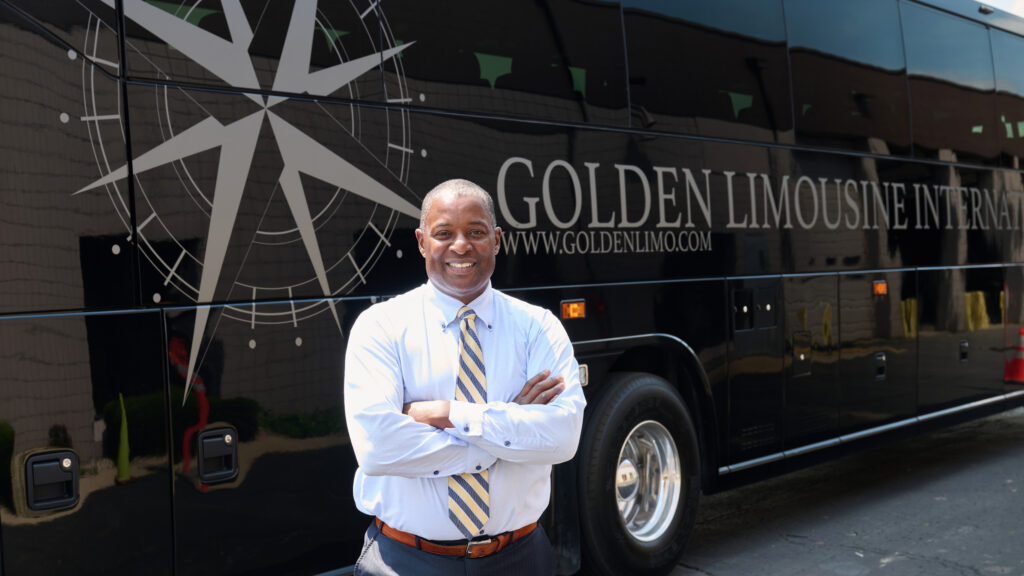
{"points": [[382, 556]]}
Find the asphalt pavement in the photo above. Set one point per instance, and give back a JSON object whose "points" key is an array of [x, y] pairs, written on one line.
{"points": [[947, 503]]}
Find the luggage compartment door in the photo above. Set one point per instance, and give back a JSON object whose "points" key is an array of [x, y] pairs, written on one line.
{"points": [[812, 354], [878, 354], [756, 376]]}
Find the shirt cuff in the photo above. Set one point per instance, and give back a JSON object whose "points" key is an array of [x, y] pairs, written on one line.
{"points": [[467, 418], [478, 459]]}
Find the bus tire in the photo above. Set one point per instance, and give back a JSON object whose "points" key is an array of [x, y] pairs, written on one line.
{"points": [[639, 478]]}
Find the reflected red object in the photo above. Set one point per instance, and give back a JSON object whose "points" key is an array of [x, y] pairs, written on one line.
{"points": [[1014, 369], [179, 359]]}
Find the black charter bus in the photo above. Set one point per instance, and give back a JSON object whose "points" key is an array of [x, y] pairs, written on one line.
{"points": [[774, 230]]}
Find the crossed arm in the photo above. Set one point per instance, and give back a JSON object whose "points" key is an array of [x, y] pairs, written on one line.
{"points": [[540, 389], [433, 438]]}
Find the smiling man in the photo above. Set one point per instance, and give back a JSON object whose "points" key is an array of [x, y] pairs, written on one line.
{"points": [[458, 399]]}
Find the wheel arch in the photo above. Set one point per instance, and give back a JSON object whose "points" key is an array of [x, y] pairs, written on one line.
{"points": [[666, 356], [663, 355], [632, 381]]}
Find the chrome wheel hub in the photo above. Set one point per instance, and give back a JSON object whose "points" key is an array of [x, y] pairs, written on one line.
{"points": [[648, 481]]}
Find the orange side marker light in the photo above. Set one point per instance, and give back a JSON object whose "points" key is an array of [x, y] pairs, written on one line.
{"points": [[574, 309]]}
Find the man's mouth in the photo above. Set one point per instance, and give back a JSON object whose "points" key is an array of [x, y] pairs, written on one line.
{"points": [[461, 265]]}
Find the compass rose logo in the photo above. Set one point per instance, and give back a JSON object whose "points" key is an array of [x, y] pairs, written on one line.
{"points": [[236, 141]]}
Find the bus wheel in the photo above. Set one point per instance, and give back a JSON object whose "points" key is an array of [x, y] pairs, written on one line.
{"points": [[639, 478]]}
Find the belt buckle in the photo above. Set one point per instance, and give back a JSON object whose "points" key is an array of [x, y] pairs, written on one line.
{"points": [[475, 544]]}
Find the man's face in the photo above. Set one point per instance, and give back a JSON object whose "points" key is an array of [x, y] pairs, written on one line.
{"points": [[459, 244]]}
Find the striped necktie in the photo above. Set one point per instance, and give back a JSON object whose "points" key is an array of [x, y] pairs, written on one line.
{"points": [[468, 501]]}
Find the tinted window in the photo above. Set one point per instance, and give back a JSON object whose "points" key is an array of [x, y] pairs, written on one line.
{"points": [[276, 46], [88, 26], [849, 88], [1009, 50], [558, 59], [709, 68], [951, 85], [755, 19]]}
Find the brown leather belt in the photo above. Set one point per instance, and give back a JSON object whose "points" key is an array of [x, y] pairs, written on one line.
{"points": [[472, 549]]}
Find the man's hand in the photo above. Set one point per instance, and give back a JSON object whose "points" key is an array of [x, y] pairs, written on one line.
{"points": [[430, 412], [540, 389]]}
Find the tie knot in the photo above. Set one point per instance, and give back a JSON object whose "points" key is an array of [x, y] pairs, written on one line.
{"points": [[465, 313]]}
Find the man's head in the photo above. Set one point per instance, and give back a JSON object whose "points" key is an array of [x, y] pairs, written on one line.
{"points": [[458, 237]]}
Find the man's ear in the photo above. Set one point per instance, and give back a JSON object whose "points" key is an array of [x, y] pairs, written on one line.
{"points": [[419, 242], [497, 239]]}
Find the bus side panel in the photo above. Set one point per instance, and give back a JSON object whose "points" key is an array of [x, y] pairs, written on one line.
{"points": [[264, 373], [960, 336], [663, 318], [83, 446], [1013, 337], [60, 250], [287, 506], [878, 354], [84, 483], [756, 376], [812, 354], [285, 234]]}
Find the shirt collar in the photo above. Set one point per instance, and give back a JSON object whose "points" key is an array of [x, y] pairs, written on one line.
{"points": [[444, 309]]}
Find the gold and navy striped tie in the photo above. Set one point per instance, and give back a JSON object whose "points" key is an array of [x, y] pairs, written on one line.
{"points": [[469, 506]]}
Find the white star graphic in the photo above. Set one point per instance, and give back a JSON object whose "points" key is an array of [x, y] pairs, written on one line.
{"points": [[230, 61]]}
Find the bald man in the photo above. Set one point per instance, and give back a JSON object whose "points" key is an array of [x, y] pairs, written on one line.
{"points": [[458, 399]]}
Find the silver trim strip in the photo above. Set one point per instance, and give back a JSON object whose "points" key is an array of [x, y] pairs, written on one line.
{"points": [[677, 339], [956, 409], [847, 438], [755, 462], [812, 447], [705, 384]]}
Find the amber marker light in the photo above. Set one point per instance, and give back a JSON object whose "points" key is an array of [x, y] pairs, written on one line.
{"points": [[880, 288], [574, 309]]}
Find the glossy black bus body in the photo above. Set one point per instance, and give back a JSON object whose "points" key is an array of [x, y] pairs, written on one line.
{"points": [[802, 216]]}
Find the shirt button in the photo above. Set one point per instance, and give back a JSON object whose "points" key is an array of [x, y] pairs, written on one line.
{"points": [[477, 466], [436, 472], [507, 443], [465, 428]]}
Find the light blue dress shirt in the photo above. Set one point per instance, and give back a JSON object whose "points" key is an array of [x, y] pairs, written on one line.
{"points": [[406, 349]]}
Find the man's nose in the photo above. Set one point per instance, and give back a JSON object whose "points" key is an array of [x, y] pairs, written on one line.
{"points": [[460, 243]]}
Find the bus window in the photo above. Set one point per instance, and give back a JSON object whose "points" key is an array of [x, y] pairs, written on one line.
{"points": [[1007, 49], [847, 63], [726, 75], [558, 60], [951, 86]]}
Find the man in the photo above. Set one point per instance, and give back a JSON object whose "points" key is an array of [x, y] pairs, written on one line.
{"points": [[455, 440]]}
